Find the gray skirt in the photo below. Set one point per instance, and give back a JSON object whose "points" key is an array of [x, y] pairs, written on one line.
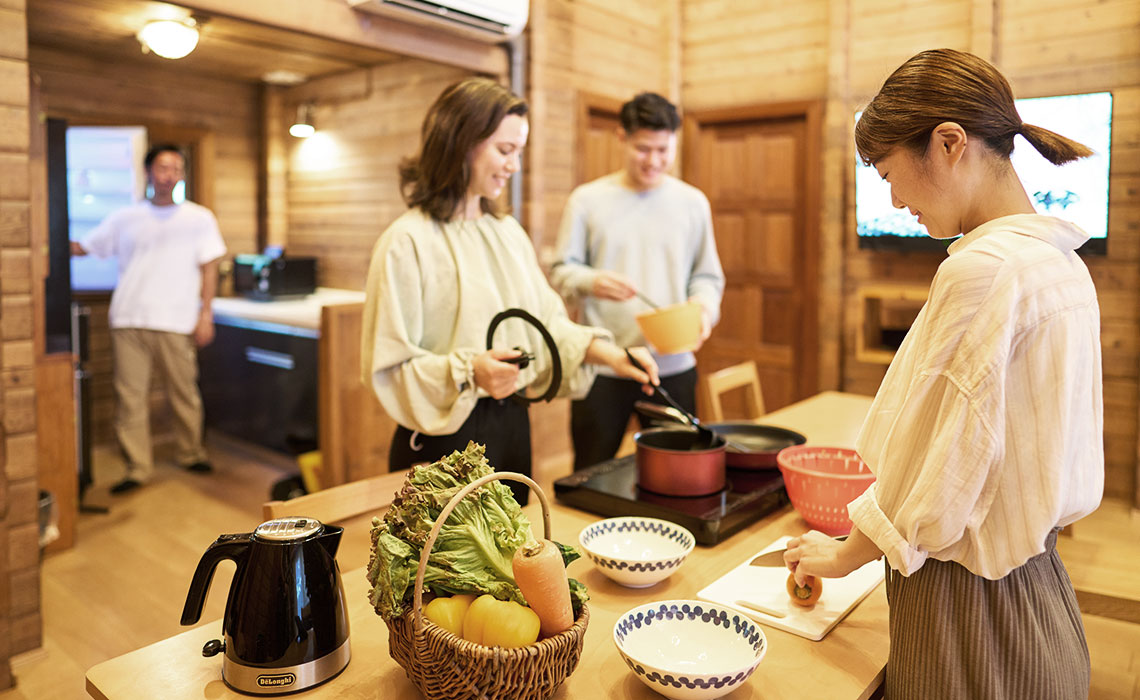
{"points": [[957, 636]]}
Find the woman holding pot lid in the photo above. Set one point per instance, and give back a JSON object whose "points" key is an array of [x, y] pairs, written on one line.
{"points": [[440, 274], [986, 436]]}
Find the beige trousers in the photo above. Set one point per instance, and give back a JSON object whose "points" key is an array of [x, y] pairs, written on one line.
{"points": [[137, 352]]}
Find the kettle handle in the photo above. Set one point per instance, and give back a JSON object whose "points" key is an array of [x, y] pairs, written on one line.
{"points": [[233, 547]]}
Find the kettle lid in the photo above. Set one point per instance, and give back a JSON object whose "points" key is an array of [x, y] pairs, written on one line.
{"points": [[287, 529]]}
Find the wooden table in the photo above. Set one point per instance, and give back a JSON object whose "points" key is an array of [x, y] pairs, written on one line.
{"points": [[847, 665]]}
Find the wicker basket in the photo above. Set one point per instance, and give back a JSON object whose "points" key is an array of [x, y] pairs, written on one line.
{"points": [[445, 667]]}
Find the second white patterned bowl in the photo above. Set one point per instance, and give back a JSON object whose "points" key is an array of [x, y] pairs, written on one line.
{"points": [[689, 649], [635, 551]]}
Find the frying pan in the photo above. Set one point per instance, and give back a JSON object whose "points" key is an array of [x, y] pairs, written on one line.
{"points": [[750, 445]]}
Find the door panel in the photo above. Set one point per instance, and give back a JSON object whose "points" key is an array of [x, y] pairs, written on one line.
{"points": [[600, 152], [755, 168]]}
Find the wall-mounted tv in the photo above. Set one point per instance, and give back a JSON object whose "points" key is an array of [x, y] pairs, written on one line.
{"points": [[1077, 192]]}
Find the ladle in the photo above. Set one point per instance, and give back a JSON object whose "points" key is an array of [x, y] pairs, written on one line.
{"points": [[670, 413], [707, 434]]}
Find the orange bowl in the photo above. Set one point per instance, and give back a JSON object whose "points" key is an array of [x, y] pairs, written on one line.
{"points": [[672, 329], [821, 481]]}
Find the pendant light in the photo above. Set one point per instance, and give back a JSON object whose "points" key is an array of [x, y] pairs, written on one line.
{"points": [[303, 125]]}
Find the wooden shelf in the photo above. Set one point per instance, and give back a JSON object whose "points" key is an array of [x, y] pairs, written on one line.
{"points": [[886, 313]]}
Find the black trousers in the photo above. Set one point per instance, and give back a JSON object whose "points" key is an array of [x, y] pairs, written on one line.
{"points": [[597, 422], [502, 426]]}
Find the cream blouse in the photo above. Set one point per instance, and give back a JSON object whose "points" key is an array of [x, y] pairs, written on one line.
{"points": [[987, 430], [433, 289]]}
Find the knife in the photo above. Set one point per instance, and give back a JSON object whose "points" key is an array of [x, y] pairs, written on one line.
{"points": [[776, 558]]}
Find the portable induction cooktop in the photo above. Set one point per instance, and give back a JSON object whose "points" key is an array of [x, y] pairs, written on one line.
{"points": [[611, 489]]}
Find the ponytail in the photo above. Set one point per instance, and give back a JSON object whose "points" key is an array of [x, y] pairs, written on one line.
{"points": [[944, 85], [1057, 149]]}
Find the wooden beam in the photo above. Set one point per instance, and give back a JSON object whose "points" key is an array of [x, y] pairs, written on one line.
{"points": [[56, 441], [983, 29], [334, 19]]}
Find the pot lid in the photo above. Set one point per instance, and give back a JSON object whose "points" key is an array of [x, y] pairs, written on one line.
{"points": [[287, 529]]}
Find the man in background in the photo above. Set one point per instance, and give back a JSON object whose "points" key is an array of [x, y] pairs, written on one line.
{"points": [[636, 231], [168, 256]]}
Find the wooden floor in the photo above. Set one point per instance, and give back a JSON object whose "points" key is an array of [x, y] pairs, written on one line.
{"points": [[123, 586]]}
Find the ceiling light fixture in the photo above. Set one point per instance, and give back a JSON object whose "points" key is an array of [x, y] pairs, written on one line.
{"points": [[169, 38], [303, 126]]}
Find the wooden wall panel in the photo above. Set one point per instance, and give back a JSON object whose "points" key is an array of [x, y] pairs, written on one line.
{"points": [[342, 187], [1044, 47], [741, 52], [20, 621]]}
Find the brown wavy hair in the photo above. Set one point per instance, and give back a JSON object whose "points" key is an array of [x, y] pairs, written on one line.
{"points": [[944, 85], [463, 116]]}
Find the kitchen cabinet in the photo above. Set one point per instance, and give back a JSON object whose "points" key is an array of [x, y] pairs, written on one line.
{"points": [[260, 378], [259, 383]]}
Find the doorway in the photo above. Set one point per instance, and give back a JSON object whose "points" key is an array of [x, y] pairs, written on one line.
{"points": [[760, 168]]}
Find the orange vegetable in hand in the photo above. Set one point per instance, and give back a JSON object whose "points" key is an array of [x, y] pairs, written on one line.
{"points": [[807, 594], [541, 576]]}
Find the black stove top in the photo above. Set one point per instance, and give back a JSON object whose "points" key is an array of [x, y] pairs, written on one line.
{"points": [[611, 489]]}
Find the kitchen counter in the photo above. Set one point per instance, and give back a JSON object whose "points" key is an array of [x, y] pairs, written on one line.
{"points": [[846, 665], [304, 312]]}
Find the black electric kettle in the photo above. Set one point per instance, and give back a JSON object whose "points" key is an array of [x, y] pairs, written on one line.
{"points": [[286, 625]]}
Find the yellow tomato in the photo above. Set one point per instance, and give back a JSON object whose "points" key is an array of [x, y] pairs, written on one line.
{"points": [[448, 613], [500, 623]]}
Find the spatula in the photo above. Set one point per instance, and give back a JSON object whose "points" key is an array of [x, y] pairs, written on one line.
{"points": [[707, 435]]}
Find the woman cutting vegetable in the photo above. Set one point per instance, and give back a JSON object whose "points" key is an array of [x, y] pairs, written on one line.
{"points": [[986, 433], [440, 274]]}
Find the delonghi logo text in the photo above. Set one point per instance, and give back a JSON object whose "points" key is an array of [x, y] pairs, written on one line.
{"points": [[278, 681]]}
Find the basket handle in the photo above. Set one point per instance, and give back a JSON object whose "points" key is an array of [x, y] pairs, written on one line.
{"points": [[417, 615]]}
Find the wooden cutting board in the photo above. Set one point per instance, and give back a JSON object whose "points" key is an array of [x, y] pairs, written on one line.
{"points": [[766, 587]]}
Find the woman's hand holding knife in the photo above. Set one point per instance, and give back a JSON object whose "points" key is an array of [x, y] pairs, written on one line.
{"points": [[817, 554]]}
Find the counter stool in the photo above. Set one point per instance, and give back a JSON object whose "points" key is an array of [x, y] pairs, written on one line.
{"points": [[725, 380]]}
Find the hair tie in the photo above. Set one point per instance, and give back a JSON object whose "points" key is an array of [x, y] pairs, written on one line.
{"points": [[1020, 128]]}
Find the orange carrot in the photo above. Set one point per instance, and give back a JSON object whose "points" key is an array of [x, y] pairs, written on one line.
{"points": [[541, 576]]}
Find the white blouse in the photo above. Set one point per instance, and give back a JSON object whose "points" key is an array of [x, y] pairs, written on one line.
{"points": [[433, 289], [987, 430]]}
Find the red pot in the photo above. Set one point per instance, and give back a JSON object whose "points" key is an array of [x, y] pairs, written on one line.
{"points": [[679, 462]]}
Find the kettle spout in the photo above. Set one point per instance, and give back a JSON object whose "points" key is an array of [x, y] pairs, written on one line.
{"points": [[330, 539]]}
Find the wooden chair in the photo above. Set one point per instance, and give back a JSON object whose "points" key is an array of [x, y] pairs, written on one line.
{"points": [[340, 502], [734, 377]]}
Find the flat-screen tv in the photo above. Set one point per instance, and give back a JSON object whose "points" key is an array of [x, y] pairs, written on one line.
{"points": [[1077, 191]]}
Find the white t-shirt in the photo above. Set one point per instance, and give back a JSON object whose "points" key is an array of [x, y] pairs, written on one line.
{"points": [[160, 252], [988, 429]]}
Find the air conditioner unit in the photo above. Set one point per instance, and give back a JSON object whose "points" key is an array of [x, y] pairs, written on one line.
{"points": [[486, 20]]}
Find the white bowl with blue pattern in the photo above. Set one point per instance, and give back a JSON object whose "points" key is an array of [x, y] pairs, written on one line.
{"points": [[690, 649], [635, 551]]}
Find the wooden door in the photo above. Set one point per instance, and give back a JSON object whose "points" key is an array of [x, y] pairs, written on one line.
{"points": [[599, 151], [760, 168]]}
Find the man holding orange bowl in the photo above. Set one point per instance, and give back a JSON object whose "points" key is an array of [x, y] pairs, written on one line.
{"points": [[631, 241]]}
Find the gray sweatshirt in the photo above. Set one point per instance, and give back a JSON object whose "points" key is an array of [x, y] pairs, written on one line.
{"points": [[661, 239]]}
